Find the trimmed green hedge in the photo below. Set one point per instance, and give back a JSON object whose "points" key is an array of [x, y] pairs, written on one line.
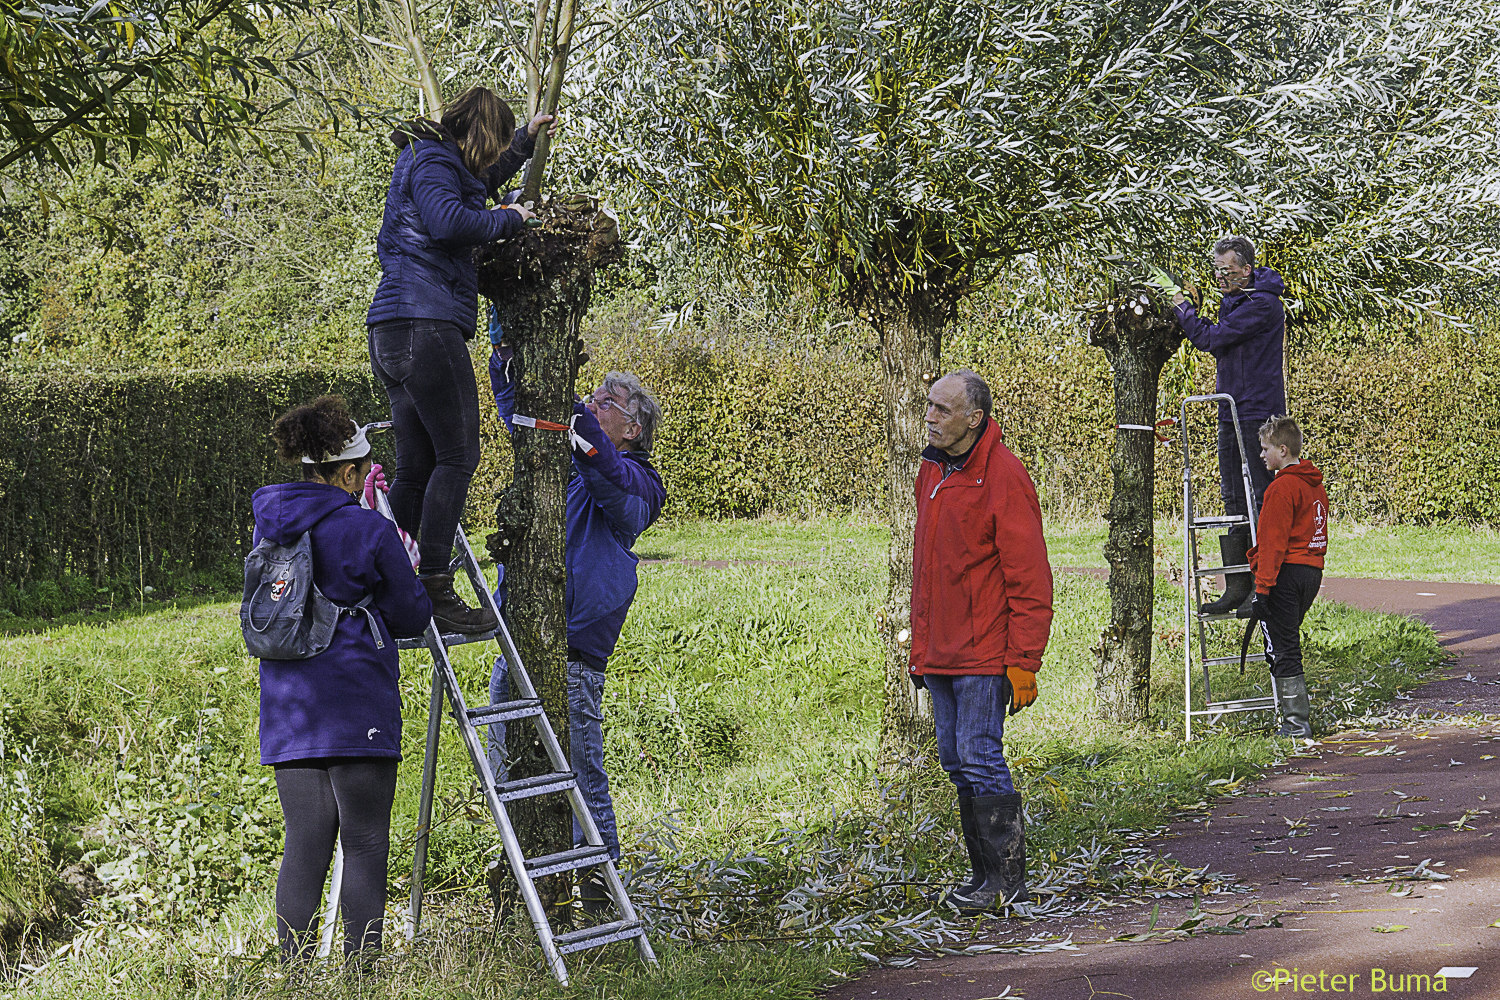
{"points": [[144, 478], [140, 478], [1411, 433]]}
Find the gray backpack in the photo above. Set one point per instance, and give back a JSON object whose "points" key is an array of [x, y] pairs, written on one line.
{"points": [[284, 616]]}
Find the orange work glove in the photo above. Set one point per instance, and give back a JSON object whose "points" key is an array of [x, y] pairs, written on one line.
{"points": [[1022, 687]]}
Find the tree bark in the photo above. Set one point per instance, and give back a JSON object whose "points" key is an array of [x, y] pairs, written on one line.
{"points": [[911, 345], [1138, 340], [541, 283]]}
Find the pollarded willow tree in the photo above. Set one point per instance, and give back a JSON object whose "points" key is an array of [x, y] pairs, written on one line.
{"points": [[899, 153]]}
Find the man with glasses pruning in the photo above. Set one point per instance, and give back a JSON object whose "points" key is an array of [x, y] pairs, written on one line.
{"points": [[1248, 346], [615, 494]]}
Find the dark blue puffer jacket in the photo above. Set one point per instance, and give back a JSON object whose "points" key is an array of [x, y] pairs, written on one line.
{"points": [[435, 216], [1247, 344]]}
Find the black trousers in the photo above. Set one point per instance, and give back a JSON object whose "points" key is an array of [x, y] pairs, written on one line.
{"points": [[1231, 482], [428, 374], [1285, 607], [348, 798]]}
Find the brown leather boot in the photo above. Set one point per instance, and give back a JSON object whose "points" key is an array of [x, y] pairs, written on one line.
{"points": [[449, 610]]}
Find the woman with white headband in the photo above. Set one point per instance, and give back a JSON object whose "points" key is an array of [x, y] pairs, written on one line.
{"points": [[330, 724]]}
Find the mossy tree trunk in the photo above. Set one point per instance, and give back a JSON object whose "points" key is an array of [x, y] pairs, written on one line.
{"points": [[1138, 340], [541, 283]]}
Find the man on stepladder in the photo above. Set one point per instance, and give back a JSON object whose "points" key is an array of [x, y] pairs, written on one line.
{"points": [[1247, 345], [1287, 563], [615, 494], [981, 613]]}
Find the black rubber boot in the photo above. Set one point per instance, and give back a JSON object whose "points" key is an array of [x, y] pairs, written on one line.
{"points": [[971, 842], [1238, 587], [1296, 710], [449, 610], [1001, 829]]}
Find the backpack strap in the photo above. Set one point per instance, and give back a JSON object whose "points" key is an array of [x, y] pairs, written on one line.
{"points": [[364, 606]]}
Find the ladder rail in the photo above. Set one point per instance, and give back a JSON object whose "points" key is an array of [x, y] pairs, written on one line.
{"points": [[335, 895], [501, 817], [429, 784]]}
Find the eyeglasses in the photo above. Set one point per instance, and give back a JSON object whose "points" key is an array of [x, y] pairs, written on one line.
{"points": [[609, 403]]}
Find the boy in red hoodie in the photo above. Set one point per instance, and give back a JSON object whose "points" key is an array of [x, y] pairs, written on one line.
{"points": [[1291, 541]]}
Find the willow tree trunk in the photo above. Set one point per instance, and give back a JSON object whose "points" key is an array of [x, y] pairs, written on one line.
{"points": [[911, 345], [1138, 340], [541, 283]]}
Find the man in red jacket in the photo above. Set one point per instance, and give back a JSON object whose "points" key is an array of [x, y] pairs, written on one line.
{"points": [[981, 611], [1291, 541]]}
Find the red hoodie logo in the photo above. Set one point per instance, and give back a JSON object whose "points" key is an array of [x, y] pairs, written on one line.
{"points": [[1319, 540]]}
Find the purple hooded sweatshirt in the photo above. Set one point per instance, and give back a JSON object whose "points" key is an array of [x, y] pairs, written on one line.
{"points": [[344, 702], [1247, 344]]}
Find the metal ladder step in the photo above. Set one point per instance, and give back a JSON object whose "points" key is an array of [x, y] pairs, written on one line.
{"points": [[1217, 521], [505, 711], [1221, 570], [1219, 661], [1228, 616], [541, 784], [566, 861], [449, 639], [600, 934]]}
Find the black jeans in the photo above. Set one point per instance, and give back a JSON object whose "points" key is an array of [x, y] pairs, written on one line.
{"points": [[1285, 607], [425, 367], [348, 798], [1231, 482]]}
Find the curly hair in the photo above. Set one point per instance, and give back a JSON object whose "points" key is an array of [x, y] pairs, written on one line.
{"points": [[314, 429]]}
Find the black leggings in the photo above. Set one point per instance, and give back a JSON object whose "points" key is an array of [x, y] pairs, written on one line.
{"points": [[428, 374], [348, 798]]}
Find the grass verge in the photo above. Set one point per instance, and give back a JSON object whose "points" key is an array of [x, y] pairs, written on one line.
{"points": [[1451, 553], [743, 716]]}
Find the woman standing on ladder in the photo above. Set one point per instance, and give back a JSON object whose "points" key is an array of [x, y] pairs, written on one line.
{"points": [[425, 311]]}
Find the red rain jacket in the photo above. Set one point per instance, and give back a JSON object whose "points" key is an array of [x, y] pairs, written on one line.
{"points": [[1293, 525], [981, 597]]}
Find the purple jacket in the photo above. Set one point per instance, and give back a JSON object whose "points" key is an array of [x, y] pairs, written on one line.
{"points": [[435, 216], [344, 702], [1247, 344]]}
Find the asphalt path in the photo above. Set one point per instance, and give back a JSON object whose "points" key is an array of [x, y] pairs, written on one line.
{"points": [[1325, 848]]}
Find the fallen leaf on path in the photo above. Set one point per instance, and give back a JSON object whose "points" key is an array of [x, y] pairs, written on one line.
{"points": [[1388, 928]]}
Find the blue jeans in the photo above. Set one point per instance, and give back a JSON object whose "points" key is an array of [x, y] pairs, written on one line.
{"points": [[968, 712], [585, 745]]}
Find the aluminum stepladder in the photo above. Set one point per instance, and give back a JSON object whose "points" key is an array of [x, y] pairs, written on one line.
{"points": [[1193, 597], [561, 781]]}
